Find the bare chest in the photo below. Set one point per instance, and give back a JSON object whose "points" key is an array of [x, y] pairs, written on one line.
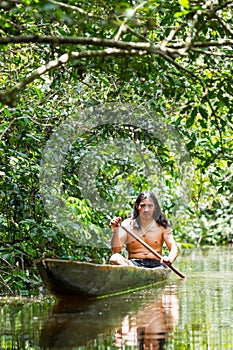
{"points": [[153, 236]]}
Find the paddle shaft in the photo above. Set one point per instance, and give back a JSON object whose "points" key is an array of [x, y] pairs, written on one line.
{"points": [[153, 252]]}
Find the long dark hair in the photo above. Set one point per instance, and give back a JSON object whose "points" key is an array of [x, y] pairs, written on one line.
{"points": [[158, 216]]}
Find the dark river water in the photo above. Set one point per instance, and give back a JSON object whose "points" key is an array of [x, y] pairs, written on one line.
{"points": [[193, 313]]}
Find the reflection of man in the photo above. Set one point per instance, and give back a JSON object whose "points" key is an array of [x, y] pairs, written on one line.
{"points": [[150, 327]]}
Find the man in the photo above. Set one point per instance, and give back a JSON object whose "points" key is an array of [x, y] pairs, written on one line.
{"points": [[148, 222]]}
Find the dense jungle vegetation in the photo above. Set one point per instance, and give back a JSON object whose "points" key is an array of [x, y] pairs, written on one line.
{"points": [[100, 100]]}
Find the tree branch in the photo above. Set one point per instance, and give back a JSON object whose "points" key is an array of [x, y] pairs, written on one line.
{"points": [[149, 46], [64, 40], [9, 97], [216, 43], [224, 25], [76, 9], [124, 49], [212, 53], [213, 9], [170, 37], [114, 47], [122, 27]]}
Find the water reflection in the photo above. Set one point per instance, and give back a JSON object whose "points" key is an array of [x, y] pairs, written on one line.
{"points": [[150, 327], [137, 323], [21, 320]]}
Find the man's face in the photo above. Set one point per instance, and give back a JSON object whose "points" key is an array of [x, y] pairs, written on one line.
{"points": [[146, 209]]}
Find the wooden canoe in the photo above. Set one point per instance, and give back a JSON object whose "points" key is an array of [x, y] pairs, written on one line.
{"points": [[64, 278]]}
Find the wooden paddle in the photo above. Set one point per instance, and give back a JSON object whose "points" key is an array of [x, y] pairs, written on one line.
{"points": [[153, 252]]}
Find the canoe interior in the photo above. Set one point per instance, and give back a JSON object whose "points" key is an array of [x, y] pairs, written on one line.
{"points": [[71, 278]]}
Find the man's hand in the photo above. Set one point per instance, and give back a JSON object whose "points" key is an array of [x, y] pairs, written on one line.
{"points": [[166, 260], [115, 222]]}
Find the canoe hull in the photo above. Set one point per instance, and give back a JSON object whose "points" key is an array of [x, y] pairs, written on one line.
{"points": [[71, 278]]}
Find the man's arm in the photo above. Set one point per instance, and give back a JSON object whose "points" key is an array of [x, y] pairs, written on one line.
{"points": [[119, 236], [172, 247]]}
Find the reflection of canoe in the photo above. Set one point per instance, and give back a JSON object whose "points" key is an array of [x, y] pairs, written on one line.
{"points": [[74, 324], [71, 278], [116, 322]]}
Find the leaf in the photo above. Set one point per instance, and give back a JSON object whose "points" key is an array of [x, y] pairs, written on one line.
{"points": [[7, 112], [203, 123], [180, 14], [185, 4], [38, 91], [203, 112], [190, 121], [191, 145]]}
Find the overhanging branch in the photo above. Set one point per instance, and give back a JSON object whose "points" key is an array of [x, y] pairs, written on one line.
{"points": [[9, 97], [148, 46], [77, 40]]}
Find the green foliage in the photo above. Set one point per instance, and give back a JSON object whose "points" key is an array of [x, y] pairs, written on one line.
{"points": [[188, 86]]}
